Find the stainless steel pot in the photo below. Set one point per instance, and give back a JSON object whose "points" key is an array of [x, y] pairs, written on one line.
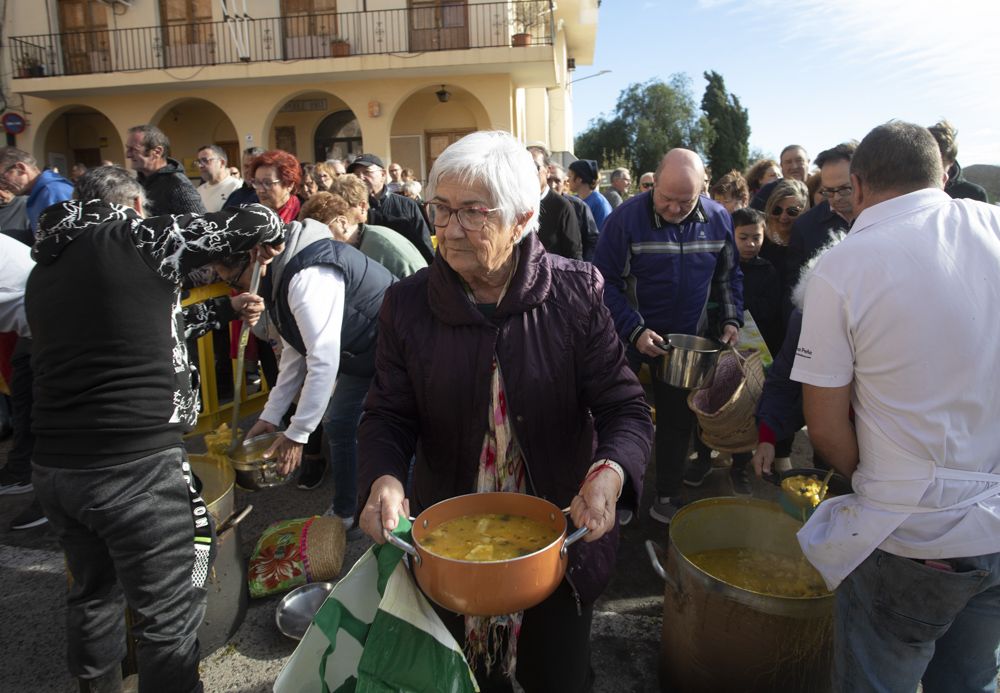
{"points": [[228, 594], [721, 637], [688, 361], [253, 472]]}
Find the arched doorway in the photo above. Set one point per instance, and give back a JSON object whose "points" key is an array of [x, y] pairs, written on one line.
{"points": [[193, 123], [429, 120], [337, 137], [79, 134]]}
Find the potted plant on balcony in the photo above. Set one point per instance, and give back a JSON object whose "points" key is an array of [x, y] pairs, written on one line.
{"points": [[30, 65], [524, 17], [339, 47]]}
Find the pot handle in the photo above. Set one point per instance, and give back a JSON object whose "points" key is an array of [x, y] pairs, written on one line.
{"points": [[233, 520], [572, 539], [654, 557], [403, 546], [665, 346]]}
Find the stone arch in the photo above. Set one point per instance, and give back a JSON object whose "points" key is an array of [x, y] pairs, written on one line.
{"points": [[297, 121], [76, 133], [423, 124], [191, 122]]}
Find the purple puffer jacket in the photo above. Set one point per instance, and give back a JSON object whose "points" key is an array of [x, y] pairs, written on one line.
{"points": [[565, 377]]}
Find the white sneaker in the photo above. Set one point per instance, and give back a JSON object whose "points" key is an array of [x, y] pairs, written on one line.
{"points": [[352, 530]]}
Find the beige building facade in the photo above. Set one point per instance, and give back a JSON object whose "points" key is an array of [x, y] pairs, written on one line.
{"points": [[318, 78]]}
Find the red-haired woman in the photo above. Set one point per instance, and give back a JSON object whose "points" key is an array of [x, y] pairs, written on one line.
{"points": [[275, 175]]}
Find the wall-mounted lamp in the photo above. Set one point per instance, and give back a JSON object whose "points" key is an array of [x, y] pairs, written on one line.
{"points": [[596, 74], [443, 94]]}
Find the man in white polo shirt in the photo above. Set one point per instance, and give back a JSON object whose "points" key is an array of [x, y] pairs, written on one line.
{"points": [[900, 322], [218, 184]]}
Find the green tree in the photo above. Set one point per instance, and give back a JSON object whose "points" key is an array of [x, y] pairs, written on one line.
{"points": [[730, 123], [649, 119]]}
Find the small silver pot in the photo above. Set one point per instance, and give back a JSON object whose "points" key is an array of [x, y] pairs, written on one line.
{"points": [[688, 361], [253, 472]]}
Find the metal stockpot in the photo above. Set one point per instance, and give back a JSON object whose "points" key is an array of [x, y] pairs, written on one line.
{"points": [[720, 637], [689, 361], [490, 588], [228, 594]]}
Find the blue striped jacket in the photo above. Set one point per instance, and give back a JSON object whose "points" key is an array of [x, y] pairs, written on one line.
{"points": [[661, 276]]}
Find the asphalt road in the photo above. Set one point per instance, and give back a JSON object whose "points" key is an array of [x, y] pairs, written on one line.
{"points": [[626, 628]]}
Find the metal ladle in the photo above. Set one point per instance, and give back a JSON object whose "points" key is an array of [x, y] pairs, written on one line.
{"points": [[803, 502]]}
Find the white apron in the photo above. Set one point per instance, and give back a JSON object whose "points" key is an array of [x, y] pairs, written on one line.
{"points": [[845, 530]]}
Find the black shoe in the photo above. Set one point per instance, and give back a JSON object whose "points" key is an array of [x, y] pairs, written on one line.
{"points": [[740, 479], [312, 472], [32, 516], [697, 471], [11, 484]]}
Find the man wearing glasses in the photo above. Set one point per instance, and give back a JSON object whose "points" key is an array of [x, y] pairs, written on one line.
{"points": [[218, 184], [646, 181], [168, 189], [833, 216]]}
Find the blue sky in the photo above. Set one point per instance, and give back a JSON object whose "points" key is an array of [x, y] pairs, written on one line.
{"points": [[812, 72]]}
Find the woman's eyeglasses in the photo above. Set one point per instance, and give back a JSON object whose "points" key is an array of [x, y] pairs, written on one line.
{"points": [[790, 211], [234, 280], [471, 218], [261, 184]]}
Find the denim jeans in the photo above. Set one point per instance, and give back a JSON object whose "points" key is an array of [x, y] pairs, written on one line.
{"points": [[900, 622], [128, 532], [340, 424]]}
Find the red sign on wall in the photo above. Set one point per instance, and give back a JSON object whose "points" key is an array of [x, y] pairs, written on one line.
{"points": [[13, 123]]}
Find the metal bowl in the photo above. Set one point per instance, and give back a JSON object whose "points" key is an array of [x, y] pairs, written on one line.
{"points": [[253, 472], [297, 608]]}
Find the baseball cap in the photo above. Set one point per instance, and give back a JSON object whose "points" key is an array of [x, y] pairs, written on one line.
{"points": [[585, 169], [366, 160]]}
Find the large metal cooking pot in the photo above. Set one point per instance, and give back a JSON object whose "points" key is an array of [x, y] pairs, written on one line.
{"points": [[489, 588], [688, 361], [719, 637], [227, 581]]}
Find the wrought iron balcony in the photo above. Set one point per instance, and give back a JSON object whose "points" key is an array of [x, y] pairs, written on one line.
{"points": [[243, 39]]}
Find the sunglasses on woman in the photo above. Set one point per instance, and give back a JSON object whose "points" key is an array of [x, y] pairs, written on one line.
{"points": [[790, 211]]}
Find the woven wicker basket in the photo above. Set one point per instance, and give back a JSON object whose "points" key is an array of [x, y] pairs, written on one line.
{"points": [[324, 545], [725, 408]]}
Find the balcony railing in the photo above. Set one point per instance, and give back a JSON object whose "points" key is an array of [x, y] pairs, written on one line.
{"points": [[445, 27]]}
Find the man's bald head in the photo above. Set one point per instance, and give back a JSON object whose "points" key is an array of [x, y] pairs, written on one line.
{"points": [[678, 182]]}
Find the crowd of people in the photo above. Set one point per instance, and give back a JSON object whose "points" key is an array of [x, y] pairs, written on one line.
{"points": [[503, 356]]}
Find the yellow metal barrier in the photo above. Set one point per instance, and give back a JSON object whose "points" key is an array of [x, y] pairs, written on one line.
{"points": [[213, 412]]}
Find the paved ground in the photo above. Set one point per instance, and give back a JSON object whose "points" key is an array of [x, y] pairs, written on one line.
{"points": [[626, 630]]}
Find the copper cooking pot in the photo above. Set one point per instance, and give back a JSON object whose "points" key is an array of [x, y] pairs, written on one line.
{"points": [[489, 588]]}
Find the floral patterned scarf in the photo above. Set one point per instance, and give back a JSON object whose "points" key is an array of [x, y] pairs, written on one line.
{"points": [[501, 468]]}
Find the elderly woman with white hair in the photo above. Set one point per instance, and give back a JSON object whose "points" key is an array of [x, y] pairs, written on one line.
{"points": [[499, 367]]}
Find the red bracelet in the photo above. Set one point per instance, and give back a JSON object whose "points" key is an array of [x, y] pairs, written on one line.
{"points": [[594, 472]]}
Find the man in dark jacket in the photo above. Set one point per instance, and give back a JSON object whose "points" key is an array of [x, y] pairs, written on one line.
{"points": [[813, 230], [113, 397], [557, 227], [663, 254], [168, 189], [399, 213]]}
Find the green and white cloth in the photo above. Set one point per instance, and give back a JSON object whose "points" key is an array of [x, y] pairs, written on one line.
{"points": [[377, 633]]}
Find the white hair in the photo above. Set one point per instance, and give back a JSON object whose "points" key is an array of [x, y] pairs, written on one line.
{"points": [[499, 163]]}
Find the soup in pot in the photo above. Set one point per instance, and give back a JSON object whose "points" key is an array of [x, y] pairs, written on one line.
{"points": [[762, 571], [488, 537]]}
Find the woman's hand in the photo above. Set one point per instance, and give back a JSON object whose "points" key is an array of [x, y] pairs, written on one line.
{"points": [[248, 306], [264, 253], [763, 458], [287, 452], [594, 506], [260, 428], [385, 502]]}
